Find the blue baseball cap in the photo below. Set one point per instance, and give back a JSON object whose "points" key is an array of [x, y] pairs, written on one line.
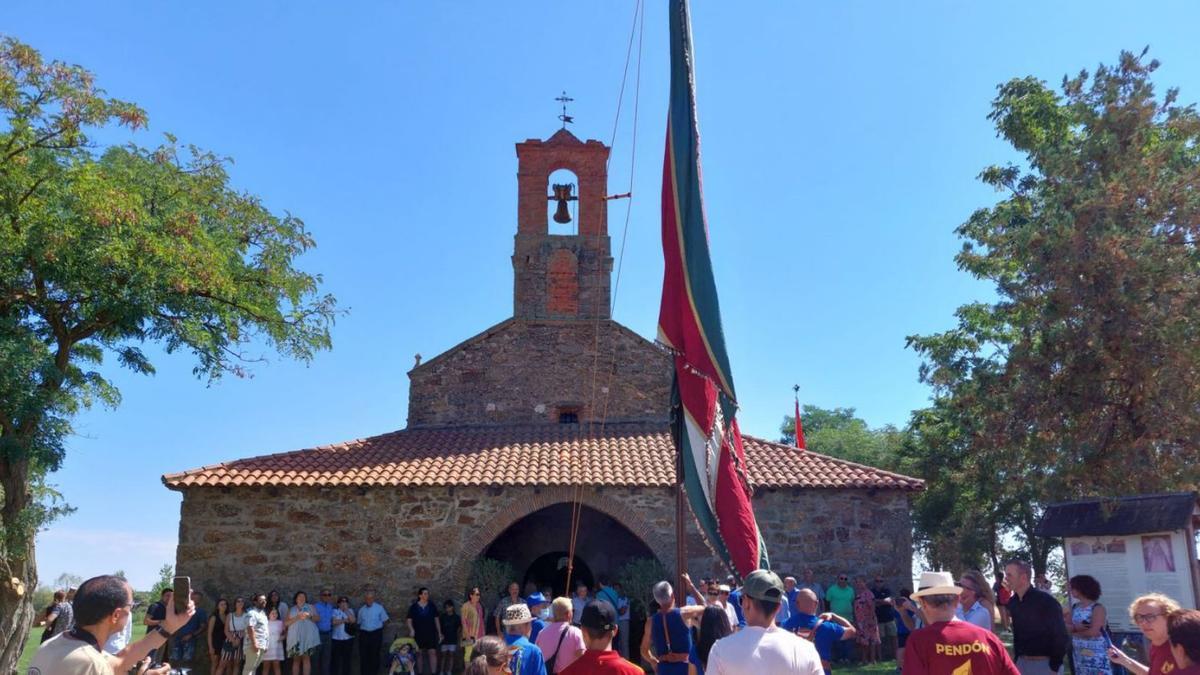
{"points": [[536, 599]]}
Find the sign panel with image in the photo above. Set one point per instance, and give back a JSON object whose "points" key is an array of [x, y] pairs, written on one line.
{"points": [[1129, 566]]}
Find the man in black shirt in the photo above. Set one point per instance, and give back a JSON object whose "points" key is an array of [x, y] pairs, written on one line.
{"points": [[155, 615], [1040, 637], [885, 617]]}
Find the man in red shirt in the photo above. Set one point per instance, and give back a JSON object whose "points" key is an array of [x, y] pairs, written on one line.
{"points": [[599, 625], [946, 646]]}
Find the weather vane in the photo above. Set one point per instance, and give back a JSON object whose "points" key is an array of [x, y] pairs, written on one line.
{"points": [[566, 119]]}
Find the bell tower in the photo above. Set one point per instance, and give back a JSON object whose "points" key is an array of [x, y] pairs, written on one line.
{"points": [[562, 276]]}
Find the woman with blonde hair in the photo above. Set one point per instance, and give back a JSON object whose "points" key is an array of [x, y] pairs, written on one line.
{"points": [[1149, 613], [490, 657], [977, 605], [986, 597]]}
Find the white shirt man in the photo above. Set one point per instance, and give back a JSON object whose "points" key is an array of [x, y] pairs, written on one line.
{"points": [[103, 606], [723, 600], [763, 647]]}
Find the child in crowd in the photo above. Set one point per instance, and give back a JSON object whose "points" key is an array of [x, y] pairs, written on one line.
{"points": [[451, 624], [403, 661], [275, 635]]}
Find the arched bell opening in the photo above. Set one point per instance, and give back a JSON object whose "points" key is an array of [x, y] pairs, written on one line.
{"points": [[562, 195]]}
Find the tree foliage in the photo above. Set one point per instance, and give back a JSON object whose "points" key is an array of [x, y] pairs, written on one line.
{"points": [[839, 432], [67, 581], [491, 576], [166, 579], [637, 577], [106, 249], [1081, 378]]}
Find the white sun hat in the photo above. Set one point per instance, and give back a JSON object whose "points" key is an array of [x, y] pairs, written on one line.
{"points": [[937, 583]]}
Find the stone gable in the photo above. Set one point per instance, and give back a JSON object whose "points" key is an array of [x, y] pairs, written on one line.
{"points": [[522, 372]]}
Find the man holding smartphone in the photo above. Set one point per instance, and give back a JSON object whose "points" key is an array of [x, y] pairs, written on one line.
{"points": [[103, 605], [155, 615]]}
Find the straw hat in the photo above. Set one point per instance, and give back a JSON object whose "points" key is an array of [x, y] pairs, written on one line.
{"points": [[937, 583]]}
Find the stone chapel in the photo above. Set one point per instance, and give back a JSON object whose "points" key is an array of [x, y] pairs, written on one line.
{"points": [[506, 431]]}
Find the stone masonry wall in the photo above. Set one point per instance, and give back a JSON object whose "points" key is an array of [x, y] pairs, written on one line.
{"points": [[234, 541], [865, 532], [523, 372], [237, 540]]}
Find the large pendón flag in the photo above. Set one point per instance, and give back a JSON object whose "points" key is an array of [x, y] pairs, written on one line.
{"points": [[689, 323]]}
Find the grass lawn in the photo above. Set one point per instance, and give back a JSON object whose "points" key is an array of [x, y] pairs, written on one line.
{"points": [[34, 641], [877, 669]]}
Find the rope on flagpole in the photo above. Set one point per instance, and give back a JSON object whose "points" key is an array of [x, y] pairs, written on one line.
{"points": [[637, 28]]}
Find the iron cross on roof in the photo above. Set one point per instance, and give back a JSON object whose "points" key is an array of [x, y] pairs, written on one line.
{"points": [[566, 119]]}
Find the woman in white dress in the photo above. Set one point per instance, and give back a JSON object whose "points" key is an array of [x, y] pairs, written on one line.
{"points": [[303, 639], [274, 655]]}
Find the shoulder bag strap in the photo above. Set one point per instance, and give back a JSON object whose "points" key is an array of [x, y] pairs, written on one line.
{"points": [[553, 660], [666, 631]]}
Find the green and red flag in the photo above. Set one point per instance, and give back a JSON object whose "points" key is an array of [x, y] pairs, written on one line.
{"points": [[689, 323]]}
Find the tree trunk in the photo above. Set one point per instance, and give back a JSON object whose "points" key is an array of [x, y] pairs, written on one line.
{"points": [[16, 609], [18, 570], [993, 549]]}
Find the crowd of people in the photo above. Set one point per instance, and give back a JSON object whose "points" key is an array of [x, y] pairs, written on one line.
{"points": [[765, 625]]}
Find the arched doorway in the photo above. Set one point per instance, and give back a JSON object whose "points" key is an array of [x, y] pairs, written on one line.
{"points": [[550, 571], [536, 547]]}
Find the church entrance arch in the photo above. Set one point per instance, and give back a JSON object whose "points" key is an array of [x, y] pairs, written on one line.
{"points": [[536, 547], [550, 571]]}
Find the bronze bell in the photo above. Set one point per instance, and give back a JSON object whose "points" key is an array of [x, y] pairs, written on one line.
{"points": [[562, 193]]}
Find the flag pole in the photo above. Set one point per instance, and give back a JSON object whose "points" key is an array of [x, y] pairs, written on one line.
{"points": [[680, 542], [796, 424]]}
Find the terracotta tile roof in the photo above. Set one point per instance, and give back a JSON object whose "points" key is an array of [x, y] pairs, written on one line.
{"points": [[623, 454]]}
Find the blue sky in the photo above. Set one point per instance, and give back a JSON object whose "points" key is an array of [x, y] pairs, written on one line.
{"points": [[841, 141]]}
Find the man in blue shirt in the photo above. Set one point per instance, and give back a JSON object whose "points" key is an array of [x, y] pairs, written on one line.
{"points": [[371, 617], [606, 592], [735, 599], [623, 616], [526, 658], [183, 646], [325, 609], [789, 604], [536, 602], [823, 631]]}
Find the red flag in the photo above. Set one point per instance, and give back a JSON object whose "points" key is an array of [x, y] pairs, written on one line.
{"points": [[799, 427]]}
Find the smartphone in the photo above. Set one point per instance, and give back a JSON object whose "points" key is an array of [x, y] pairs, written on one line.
{"points": [[183, 593]]}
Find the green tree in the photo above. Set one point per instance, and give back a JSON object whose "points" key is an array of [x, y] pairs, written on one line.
{"points": [[1080, 379], [105, 249], [491, 576], [66, 581], [166, 579], [637, 577], [840, 433]]}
